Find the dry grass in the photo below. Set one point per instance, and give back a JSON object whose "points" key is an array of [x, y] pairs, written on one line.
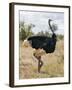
{"points": [[53, 63]]}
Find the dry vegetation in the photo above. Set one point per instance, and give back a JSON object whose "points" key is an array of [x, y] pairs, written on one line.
{"points": [[53, 63]]}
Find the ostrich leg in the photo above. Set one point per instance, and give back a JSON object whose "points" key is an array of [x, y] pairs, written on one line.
{"points": [[40, 63]]}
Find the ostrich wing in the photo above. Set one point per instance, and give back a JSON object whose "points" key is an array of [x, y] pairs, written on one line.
{"points": [[37, 41], [42, 42]]}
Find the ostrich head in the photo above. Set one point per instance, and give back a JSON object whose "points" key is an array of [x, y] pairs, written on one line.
{"points": [[50, 20]]}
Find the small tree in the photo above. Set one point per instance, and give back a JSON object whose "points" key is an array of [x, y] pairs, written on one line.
{"points": [[25, 30], [22, 34]]}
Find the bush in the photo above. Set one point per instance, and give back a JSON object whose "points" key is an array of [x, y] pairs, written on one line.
{"points": [[25, 31], [60, 37]]}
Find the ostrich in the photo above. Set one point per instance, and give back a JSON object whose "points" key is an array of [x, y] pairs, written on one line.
{"points": [[43, 42]]}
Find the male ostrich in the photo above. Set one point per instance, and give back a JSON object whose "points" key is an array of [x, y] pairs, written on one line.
{"points": [[43, 42]]}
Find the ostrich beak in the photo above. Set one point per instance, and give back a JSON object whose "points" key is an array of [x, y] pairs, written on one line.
{"points": [[50, 20]]}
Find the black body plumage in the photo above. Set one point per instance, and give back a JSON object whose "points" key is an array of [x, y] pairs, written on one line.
{"points": [[43, 42]]}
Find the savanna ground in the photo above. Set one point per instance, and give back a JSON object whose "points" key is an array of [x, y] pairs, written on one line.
{"points": [[53, 63]]}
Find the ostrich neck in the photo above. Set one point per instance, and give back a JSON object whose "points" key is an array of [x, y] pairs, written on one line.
{"points": [[50, 25]]}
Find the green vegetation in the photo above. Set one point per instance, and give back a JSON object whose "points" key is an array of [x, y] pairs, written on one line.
{"points": [[60, 37], [25, 31]]}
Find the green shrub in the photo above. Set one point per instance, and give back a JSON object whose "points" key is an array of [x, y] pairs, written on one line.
{"points": [[24, 31]]}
